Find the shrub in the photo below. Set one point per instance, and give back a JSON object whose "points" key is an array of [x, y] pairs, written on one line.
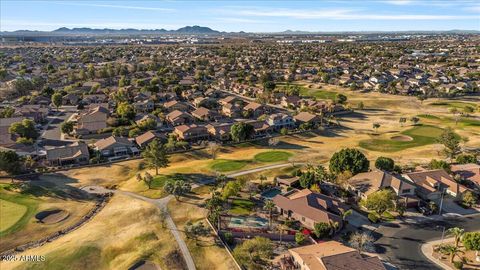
{"points": [[228, 238], [458, 265], [385, 164], [299, 238], [373, 217]]}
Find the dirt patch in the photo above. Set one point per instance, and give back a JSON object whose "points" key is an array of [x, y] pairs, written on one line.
{"points": [[144, 265], [402, 138], [52, 216]]}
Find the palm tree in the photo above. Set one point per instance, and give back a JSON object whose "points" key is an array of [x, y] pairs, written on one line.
{"points": [[457, 233], [450, 250], [334, 226], [269, 206]]}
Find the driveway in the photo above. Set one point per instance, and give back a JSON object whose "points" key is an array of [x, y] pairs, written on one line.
{"points": [[400, 243]]}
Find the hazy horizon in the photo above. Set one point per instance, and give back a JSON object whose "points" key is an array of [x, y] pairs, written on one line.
{"points": [[248, 16]]}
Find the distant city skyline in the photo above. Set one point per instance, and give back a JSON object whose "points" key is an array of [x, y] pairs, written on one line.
{"points": [[249, 16]]}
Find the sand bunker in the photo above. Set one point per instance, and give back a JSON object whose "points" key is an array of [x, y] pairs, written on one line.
{"points": [[402, 138], [52, 216], [144, 265]]}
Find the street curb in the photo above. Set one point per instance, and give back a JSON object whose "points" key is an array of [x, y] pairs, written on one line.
{"points": [[427, 250]]}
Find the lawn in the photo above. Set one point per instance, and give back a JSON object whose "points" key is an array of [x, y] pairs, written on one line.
{"points": [[223, 165], [317, 93], [421, 135], [10, 213], [272, 156], [241, 207], [453, 104], [24, 207]]}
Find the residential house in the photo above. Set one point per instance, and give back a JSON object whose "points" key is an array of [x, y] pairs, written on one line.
{"points": [[364, 184], [219, 131], [73, 154], [203, 114], [432, 183], [114, 146], [146, 105], [254, 109], [307, 118], [309, 207], [191, 132], [330, 255], [280, 120], [144, 139], [177, 118], [175, 105], [90, 121]]}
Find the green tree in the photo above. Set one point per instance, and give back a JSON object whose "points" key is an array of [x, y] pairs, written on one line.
{"points": [[469, 199], [148, 179], [385, 164], [307, 179], [231, 189], [120, 132], [196, 230], [10, 162], [25, 129], [451, 141], [300, 238], [269, 206], [349, 159], [340, 98], [439, 164], [457, 233], [450, 250], [466, 158], [241, 131], [125, 110], [254, 254], [415, 120], [471, 241], [7, 112], [380, 201], [67, 127], [57, 100], [321, 229], [177, 188], [155, 155], [376, 126]]}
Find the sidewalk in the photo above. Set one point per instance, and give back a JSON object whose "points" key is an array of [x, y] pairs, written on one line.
{"points": [[427, 250]]}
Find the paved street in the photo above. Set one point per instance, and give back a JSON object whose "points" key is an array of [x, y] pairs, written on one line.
{"points": [[52, 134], [401, 243]]}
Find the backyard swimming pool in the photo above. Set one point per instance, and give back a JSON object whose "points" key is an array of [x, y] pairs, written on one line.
{"points": [[248, 223], [269, 194]]}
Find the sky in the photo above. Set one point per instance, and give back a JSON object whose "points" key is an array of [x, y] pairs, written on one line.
{"points": [[249, 16]]}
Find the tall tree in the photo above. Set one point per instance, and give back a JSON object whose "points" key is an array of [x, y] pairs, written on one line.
{"points": [[241, 131], [451, 141], [196, 230], [254, 254], [349, 159], [457, 233], [177, 188], [155, 155], [57, 100], [10, 162]]}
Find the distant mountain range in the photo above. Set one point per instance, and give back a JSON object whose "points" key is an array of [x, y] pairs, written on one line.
{"points": [[187, 30], [201, 30]]}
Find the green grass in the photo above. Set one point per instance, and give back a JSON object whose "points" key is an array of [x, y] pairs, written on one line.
{"points": [[241, 207], [27, 201], [85, 257], [272, 156], [224, 165], [317, 93], [10, 213], [421, 135], [462, 121], [453, 104]]}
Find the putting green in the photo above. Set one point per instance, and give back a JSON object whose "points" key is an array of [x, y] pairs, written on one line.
{"points": [[272, 156], [421, 135], [228, 165], [10, 214]]}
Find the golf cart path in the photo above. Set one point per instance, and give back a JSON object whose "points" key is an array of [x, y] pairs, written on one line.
{"points": [[161, 204]]}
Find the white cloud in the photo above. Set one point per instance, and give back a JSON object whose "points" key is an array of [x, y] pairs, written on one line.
{"points": [[241, 20], [119, 6], [399, 2], [342, 14]]}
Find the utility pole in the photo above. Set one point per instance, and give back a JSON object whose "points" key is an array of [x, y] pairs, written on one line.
{"points": [[441, 203]]}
